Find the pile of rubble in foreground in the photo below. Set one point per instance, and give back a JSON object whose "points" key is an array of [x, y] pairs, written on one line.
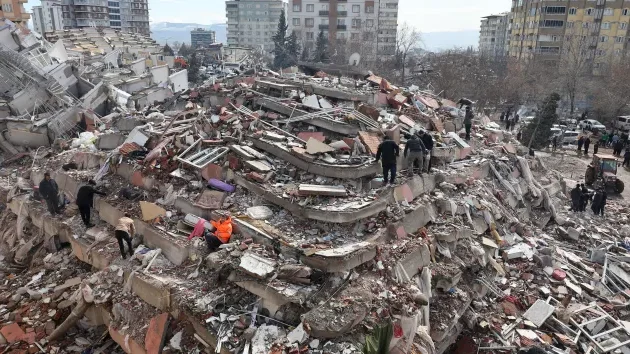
{"points": [[481, 254]]}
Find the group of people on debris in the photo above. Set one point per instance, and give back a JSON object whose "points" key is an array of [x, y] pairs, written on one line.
{"points": [[417, 153], [580, 196], [510, 120]]}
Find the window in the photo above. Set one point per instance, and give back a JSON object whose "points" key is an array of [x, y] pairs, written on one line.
{"points": [[573, 11], [606, 25], [309, 22], [603, 39], [296, 22], [625, 12], [324, 7], [341, 7], [601, 52], [297, 7], [608, 11], [619, 39], [552, 23], [114, 23], [7, 8], [113, 4], [356, 23], [555, 10], [324, 21], [369, 23], [310, 36], [114, 17], [532, 11], [356, 9], [341, 22], [570, 24], [369, 9], [585, 25], [114, 11], [590, 11], [310, 8], [623, 25]]}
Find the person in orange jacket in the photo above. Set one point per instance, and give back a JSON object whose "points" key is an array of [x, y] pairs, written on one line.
{"points": [[221, 235]]}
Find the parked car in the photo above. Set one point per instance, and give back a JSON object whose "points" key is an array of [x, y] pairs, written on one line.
{"points": [[570, 137], [591, 124], [623, 123]]}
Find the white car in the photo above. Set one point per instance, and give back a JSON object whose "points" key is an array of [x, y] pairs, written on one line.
{"points": [[570, 137], [591, 124]]}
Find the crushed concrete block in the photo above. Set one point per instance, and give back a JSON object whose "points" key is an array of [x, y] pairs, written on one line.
{"points": [[257, 266], [211, 199], [512, 253], [315, 147], [68, 284], [573, 234], [258, 166], [156, 334], [216, 259], [298, 335], [331, 191], [539, 312]]}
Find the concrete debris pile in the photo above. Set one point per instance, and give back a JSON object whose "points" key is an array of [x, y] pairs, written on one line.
{"points": [[315, 254]]}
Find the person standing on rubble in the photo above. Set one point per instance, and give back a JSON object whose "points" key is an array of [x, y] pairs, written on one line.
{"points": [[468, 118], [586, 196], [617, 147], [576, 196], [125, 230], [580, 144], [599, 202], [414, 151], [49, 190], [427, 140], [85, 201], [626, 159], [389, 151]]}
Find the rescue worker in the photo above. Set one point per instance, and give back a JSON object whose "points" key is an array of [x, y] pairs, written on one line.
{"points": [[468, 118], [85, 200], [125, 230], [389, 151], [585, 197], [554, 143], [599, 202], [221, 235], [626, 159], [617, 147], [414, 151], [596, 148], [576, 195], [580, 144], [49, 190], [427, 140]]}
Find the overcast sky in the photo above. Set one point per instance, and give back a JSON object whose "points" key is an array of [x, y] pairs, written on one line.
{"points": [[426, 15]]}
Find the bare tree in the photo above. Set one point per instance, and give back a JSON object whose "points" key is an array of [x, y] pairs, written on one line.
{"points": [[408, 39], [575, 63], [610, 91]]}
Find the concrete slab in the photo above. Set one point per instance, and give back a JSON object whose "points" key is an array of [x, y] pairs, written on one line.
{"points": [[156, 334], [314, 147], [257, 266], [341, 259], [129, 345], [331, 191], [258, 166]]}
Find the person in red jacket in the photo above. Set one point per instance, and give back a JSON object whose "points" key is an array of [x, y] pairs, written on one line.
{"points": [[221, 235]]}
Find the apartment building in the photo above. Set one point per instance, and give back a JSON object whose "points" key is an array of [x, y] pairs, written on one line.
{"points": [[126, 15], [48, 17], [493, 36], [366, 27], [547, 29], [252, 23], [200, 37], [14, 11]]}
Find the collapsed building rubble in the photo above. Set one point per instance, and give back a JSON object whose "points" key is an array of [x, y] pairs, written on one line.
{"points": [[480, 254]]}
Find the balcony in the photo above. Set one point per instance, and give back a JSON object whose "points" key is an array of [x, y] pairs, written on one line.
{"points": [[341, 27], [324, 27], [324, 12], [342, 13]]}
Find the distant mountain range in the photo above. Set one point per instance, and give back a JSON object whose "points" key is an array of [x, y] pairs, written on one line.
{"points": [[171, 32], [433, 41]]}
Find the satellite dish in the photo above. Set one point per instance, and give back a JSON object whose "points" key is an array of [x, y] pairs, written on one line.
{"points": [[355, 59]]}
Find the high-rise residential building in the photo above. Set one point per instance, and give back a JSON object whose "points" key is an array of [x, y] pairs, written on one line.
{"points": [[252, 23], [200, 37], [597, 29], [126, 15], [48, 17], [493, 35], [366, 27], [14, 11]]}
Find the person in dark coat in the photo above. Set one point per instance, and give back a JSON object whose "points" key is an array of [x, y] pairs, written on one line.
{"points": [[468, 118], [596, 148], [502, 116], [587, 143], [85, 200], [617, 148], [414, 151], [576, 195], [626, 158], [427, 140], [389, 151], [49, 190], [580, 143], [599, 202]]}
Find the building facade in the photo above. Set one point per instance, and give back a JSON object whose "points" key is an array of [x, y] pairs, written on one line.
{"points": [[366, 27], [48, 17], [598, 29], [126, 15], [14, 11], [252, 23], [202, 38], [493, 36]]}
